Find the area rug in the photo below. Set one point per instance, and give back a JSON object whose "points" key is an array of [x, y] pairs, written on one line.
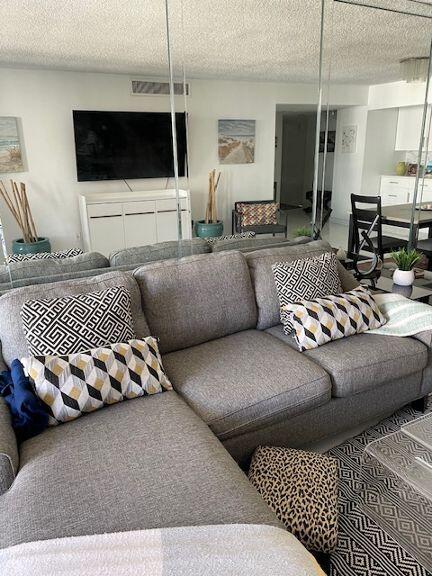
{"points": [[363, 548]]}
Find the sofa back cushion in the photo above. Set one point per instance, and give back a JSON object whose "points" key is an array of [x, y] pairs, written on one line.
{"points": [[260, 266], [13, 340], [197, 298], [250, 244], [49, 267], [162, 251]]}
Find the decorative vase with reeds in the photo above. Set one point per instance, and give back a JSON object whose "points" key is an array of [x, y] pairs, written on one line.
{"points": [[211, 227], [17, 202]]}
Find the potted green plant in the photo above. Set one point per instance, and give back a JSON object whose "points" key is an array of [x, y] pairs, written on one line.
{"points": [[405, 260], [19, 206], [211, 226], [302, 231]]}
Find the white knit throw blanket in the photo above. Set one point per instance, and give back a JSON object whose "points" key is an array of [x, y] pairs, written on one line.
{"points": [[228, 550], [404, 317]]}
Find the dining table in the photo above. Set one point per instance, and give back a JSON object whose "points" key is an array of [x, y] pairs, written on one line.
{"points": [[400, 215]]}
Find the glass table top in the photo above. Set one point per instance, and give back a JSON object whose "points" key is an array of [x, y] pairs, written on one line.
{"points": [[420, 430]]}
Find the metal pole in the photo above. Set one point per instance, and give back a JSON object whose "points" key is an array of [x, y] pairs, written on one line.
{"points": [[315, 231], [412, 243], [173, 122]]}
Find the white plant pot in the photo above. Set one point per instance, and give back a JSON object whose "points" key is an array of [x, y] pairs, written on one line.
{"points": [[403, 277]]}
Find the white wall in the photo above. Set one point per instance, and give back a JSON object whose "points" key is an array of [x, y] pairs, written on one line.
{"points": [[380, 156], [348, 167], [44, 100]]}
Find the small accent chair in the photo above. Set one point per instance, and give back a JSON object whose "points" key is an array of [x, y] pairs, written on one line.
{"points": [[259, 216], [365, 232]]}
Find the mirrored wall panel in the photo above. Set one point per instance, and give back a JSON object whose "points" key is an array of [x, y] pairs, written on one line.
{"points": [[86, 147], [377, 141], [250, 90]]}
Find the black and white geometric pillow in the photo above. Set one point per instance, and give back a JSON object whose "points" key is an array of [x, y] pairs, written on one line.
{"points": [[238, 236], [59, 326], [60, 255], [306, 279], [321, 320], [74, 384]]}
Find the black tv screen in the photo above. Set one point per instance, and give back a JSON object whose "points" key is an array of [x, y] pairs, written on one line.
{"points": [[127, 145]]}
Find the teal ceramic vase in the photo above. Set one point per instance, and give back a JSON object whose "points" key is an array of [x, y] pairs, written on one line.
{"points": [[210, 230], [21, 247]]}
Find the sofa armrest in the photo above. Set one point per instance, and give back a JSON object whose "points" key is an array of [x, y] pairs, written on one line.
{"points": [[9, 458], [425, 337]]}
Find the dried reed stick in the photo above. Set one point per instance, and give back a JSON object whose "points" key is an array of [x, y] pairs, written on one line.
{"points": [[18, 204]]}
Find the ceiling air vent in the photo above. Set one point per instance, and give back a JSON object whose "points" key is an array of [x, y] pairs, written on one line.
{"points": [[152, 88]]}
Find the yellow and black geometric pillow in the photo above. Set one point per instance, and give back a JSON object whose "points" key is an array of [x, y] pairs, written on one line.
{"points": [[72, 385], [319, 321]]}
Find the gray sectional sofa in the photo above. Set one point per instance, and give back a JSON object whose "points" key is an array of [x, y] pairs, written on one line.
{"points": [[238, 382]]}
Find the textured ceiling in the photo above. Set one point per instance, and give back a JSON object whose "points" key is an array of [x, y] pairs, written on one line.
{"points": [[241, 39]]}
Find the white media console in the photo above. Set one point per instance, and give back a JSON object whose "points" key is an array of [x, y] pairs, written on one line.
{"points": [[117, 220]]}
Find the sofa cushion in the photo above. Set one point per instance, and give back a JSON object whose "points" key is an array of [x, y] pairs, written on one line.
{"points": [[36, 268], [260, 265], [14, 344], [160, 251], [197, 298], [251, 244], [246, 380], [363, 361], [150, 463]]}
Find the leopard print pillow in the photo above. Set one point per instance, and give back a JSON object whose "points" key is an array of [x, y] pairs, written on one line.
{"points": [[302, 489]]}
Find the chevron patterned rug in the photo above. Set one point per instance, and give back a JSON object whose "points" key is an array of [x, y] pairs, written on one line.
{"points": [[363, 548]]}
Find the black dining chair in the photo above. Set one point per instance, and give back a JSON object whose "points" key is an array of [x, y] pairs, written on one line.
{"points": [[365, 234]]}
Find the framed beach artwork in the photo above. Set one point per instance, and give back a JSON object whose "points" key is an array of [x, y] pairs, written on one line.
{"points": [[10, 146], [236, 141]]}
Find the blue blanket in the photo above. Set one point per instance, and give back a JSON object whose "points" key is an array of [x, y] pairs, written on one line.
{"points": [[29, 416]]}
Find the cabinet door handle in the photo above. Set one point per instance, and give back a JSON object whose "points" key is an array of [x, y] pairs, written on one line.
{"points": [[165, 211], [393, 182], [107, 216], [137, 213]]}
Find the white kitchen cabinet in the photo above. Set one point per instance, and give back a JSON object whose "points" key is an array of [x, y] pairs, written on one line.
{"points": [[122, 220], [396, 190], [409, 128], [400, 190], [105, 233]]}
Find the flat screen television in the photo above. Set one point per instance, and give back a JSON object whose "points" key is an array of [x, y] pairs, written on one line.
{"points": [[127, 145]]}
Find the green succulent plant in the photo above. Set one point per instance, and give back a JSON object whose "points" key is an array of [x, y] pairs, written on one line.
{"points": [[406, 259], [302, 231]]}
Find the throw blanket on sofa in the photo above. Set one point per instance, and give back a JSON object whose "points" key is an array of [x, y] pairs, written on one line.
{"points": [[228, 550], [404, 317]]}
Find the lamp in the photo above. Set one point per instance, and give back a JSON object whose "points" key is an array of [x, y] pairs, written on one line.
{"points": [[415, 69]]}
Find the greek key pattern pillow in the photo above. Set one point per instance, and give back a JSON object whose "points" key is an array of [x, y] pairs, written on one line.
{"points": [[72, 385], [305, 279], [58, 326], [238, 236], [60, 255], [324, 319]]}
